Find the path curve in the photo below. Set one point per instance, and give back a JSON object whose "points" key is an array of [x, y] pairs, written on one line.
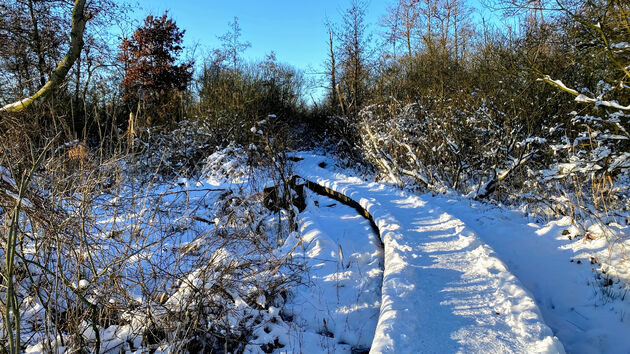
{"points": [[444, 290]]}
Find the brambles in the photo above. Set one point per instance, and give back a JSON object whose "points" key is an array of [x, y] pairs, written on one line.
{"points": [[148, 265]]}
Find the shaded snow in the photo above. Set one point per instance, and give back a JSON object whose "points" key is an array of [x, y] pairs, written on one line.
{"points": [[340, 299]]}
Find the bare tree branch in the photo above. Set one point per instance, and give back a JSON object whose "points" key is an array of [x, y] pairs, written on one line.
{"points": [[79, 20]]}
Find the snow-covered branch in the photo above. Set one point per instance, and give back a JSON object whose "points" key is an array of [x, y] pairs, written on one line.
{"points": [[581, 97]]}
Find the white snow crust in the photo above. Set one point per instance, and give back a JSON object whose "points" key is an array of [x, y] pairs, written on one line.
{"points": [[444, 289]]}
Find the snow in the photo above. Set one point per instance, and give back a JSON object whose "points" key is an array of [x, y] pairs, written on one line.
{"points": [[23, 201], [444, 289], [14, 104], [66, 145], [612, 104], [583, 98], [5, 174], [534, 139], [560, 84], [563, 288], [621, 45], [338, 305], [226, 166], [441, 274]]}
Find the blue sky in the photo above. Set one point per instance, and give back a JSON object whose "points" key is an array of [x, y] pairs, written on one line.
{"points": [[293, 29]]}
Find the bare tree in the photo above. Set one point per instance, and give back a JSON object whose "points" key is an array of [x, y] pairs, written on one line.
{"points": [[79, 20], [402, 22], [452, 16], [41, 64], [33, 30], [428, 10], [354, 41], [331, 70], [232, 44]]}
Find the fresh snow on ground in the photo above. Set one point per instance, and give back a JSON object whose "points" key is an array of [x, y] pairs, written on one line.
{"points": [[446, 274], [341, 292], [561, 274], [450, 261], [444, 289]]}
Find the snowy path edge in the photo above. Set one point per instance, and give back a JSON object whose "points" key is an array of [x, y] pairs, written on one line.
{"points": [[392, 334]]}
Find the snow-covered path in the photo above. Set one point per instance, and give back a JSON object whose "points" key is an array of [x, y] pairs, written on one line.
{"points": [[444, 289], [337, 307]]}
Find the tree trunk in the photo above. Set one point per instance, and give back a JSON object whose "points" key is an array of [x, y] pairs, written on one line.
{"points": [[333, 66], [41, 64], [79, 19]]}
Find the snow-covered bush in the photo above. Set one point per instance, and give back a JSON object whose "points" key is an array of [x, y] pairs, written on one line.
{"points": [[578, 169], [496, 131], [101, 261], [229, 165], [177, 151], [219, 286], [444, 148], [588, 173], [587, 177]]}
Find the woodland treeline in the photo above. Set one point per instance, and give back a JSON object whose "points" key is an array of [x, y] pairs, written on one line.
{"points": [[432, 96]]}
